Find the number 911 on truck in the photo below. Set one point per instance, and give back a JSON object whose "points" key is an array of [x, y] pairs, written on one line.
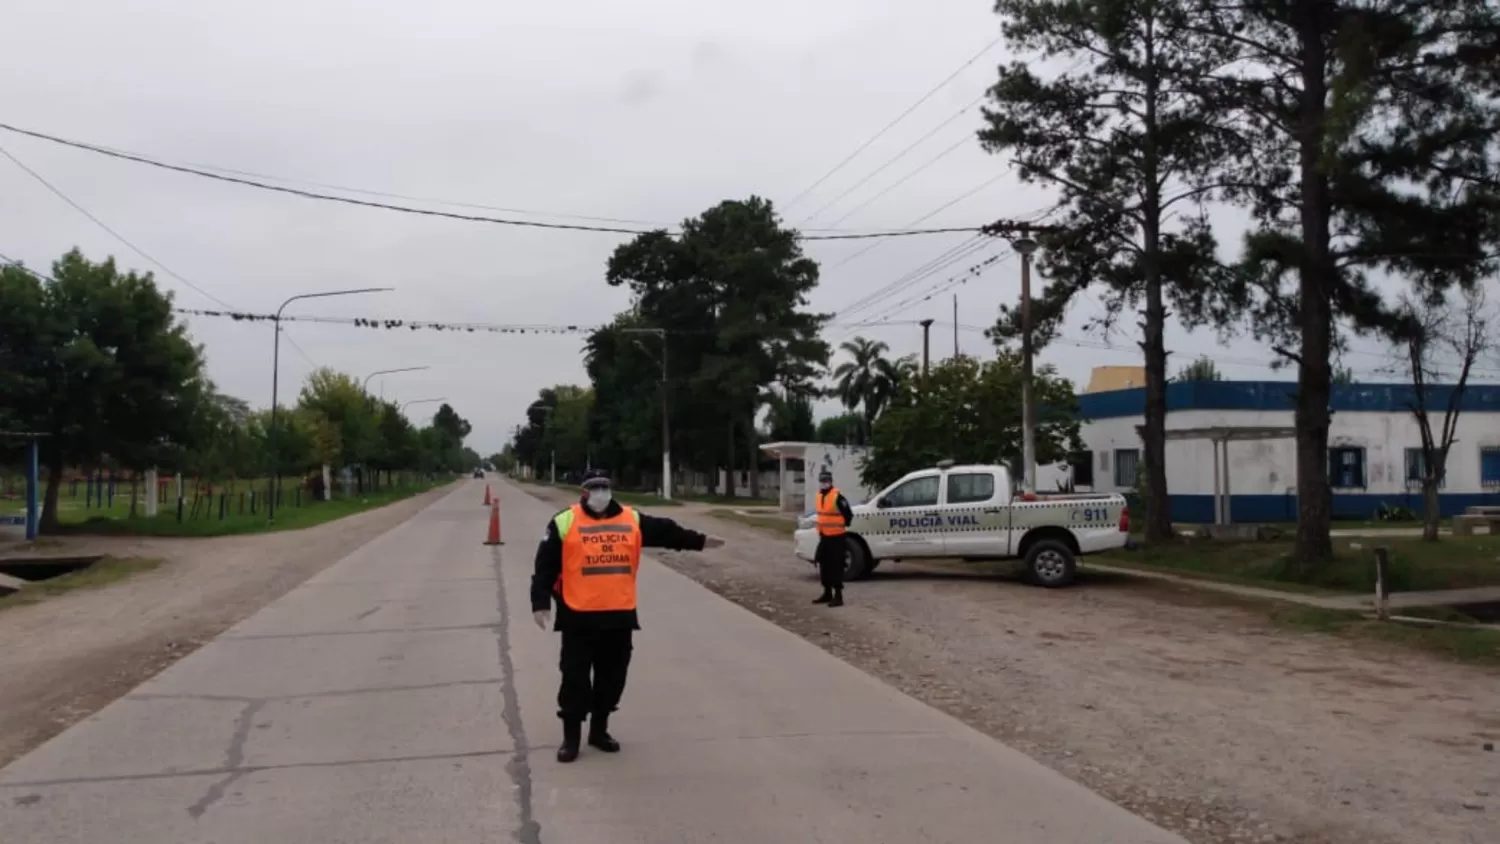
{"points": [[970, 513]]}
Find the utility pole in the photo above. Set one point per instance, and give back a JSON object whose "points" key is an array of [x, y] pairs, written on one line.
{"points": [[1026, 247], [926, 337], [1019, 234], [955, 325]]}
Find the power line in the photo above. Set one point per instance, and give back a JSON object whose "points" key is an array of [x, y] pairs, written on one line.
{"points": [[929, 215], [427, 212], [101, 224], [955, 281], [889, 126], [957, 145], [898, 156], [944, 258]]}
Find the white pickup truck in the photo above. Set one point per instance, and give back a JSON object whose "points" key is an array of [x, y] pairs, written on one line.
{"points": [[968, 512]]}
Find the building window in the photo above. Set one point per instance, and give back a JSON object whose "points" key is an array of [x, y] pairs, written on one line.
{"points": [[1346, 468], [1127, 467], [1489, 467], [971, 488], [917, 492], [1416, 469], [1083, 468]]}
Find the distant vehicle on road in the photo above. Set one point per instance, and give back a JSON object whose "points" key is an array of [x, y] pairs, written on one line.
{"points": [[969, 512], [479, 473]]}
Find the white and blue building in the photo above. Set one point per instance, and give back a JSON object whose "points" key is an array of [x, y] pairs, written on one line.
{"points": [[1231, 452]]}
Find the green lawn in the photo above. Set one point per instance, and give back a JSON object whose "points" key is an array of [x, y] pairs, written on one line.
{"points": [[1464, 644], [102, 573], [206, 522], [770, 524], [1452, 563]]}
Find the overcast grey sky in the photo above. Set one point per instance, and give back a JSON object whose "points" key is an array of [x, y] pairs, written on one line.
{"points": [[651, 111]]}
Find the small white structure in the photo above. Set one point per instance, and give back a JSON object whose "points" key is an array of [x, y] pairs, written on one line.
{"points": [[800, 463], [1231, 450]]}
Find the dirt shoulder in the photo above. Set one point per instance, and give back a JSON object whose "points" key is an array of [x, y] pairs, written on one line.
{"points": [[1180, 705], [66, 657]]}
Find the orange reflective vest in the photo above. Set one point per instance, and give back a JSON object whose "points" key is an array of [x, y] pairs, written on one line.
{"points": [[599, 559], [830, 520]]}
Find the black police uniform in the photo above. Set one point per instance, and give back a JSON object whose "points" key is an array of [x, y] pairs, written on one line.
{"points": [[596, 646]]}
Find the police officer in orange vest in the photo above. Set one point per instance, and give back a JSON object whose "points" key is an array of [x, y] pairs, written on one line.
{"points": [[834, 517], [587, 564]]}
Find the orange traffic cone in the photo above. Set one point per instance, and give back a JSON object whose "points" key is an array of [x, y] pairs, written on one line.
{"points": [[486, 495], [494, 537]]}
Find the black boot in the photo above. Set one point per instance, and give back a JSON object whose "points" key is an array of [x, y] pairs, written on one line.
{"points": [[572, 736], [825, 597], [599, 735], [838, 598]]}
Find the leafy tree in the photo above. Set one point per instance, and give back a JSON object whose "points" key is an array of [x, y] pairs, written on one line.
{"points": [[347, 431], [1442, 342], [1372, 149], [789, 418], [729, 293], [970, 411], [1129, 150], [845, 429], [623, 362], [1202, 369], [869, 380], [398, 438], [96, 360], [447, 440], [1342, 375], [568, 427]]}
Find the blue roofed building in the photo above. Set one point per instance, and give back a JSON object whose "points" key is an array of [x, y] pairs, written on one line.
{"points": [[1231, 452]]}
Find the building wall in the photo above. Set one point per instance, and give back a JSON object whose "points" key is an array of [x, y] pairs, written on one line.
{"points": [[1372, 420]]}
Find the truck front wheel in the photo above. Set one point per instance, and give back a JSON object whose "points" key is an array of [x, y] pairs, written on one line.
{"points": [[857, 562], [1051, 563]]}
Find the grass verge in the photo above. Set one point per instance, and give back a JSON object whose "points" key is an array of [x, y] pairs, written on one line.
{"points": [[624, 496], [311, 513], [103, 573], [1453, 563], [1462, 644], [770, 524]]}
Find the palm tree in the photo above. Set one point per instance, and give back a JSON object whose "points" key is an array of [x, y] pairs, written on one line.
{"points": [[870, 380]]}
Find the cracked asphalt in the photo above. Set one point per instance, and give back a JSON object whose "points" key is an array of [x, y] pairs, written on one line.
{"points": [[404, 696]]}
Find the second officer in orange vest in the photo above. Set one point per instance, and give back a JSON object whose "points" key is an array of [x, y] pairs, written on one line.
{"points": [[834, 515], [587, 564]]}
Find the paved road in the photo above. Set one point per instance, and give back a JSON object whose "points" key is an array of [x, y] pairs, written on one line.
{"points": [[404, 696]]}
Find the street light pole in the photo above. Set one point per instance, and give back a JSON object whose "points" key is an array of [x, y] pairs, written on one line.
{"points": [[365, 387], [275, 373], [1025, 246], [406, 404]]}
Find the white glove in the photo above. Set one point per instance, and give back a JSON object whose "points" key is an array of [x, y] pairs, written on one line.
{"points": [[712, 542], [543, 619]]}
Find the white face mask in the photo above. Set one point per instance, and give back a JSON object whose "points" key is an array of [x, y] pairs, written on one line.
{"points": [[825, 486], [599, 499]]}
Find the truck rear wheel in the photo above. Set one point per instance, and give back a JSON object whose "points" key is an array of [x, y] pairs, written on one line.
{"points": [[857, 563], [1051, 563]]}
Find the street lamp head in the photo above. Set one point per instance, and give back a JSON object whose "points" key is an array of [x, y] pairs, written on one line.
{"points": [[1024, 246]]}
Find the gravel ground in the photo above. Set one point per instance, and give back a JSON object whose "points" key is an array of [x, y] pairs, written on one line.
{"points": [[1197, 715], [64, 658]]}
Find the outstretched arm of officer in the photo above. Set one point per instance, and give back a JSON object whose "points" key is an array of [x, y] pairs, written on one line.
{"points": [[657, 532], [547, 568]]}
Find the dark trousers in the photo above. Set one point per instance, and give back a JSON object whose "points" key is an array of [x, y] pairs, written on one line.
{"points": [[830, 557], [594, 665]]}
